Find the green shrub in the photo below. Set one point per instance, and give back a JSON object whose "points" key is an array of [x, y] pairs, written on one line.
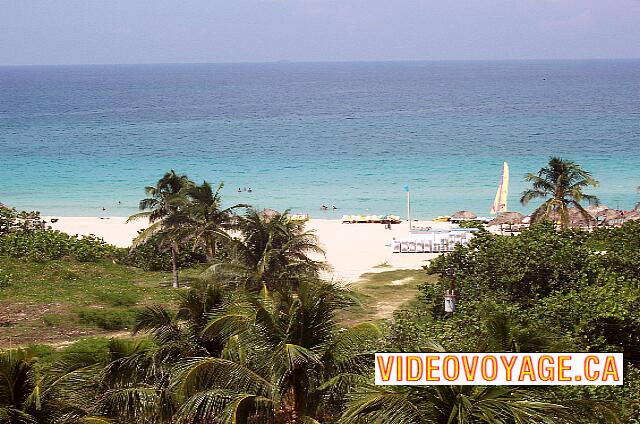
{"points": [[44, 245], [14, 221], [112, 318], [471, 224]]}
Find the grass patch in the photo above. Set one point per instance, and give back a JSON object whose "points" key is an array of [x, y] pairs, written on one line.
{"points": [[381, 293], [121, 298], [107, 318], [63, 300]]}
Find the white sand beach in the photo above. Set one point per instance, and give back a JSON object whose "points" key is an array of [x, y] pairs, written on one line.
{"points": [[351, 249]]}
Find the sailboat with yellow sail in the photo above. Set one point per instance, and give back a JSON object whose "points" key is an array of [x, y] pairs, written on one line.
{"points": [[500, 202]]}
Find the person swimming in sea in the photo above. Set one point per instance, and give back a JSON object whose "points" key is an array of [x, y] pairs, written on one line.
{"points": [[324, 208]]}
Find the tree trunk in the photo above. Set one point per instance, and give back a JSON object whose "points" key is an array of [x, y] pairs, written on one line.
{"points": [[174, 268], [210, 248]]}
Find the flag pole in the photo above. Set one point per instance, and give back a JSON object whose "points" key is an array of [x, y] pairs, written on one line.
{"points": [[409, 207]]}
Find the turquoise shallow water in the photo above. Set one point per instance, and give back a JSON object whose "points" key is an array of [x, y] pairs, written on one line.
{"points": [[78, 138]]}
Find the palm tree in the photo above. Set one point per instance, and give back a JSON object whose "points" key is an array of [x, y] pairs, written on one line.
{"points": [[272, 250], [285, 360], [451, 404], [208, 220], [30, 396], [561, 183], [164, 208], [177, 335]]}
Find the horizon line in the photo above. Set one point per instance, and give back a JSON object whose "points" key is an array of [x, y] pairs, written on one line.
{"points": [[301, 62]]}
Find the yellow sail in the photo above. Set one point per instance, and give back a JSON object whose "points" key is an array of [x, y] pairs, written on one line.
{"points": [[500, 202]]}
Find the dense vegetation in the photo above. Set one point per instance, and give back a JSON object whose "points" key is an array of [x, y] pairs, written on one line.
{"points": [[257, 338], [543, 291]]}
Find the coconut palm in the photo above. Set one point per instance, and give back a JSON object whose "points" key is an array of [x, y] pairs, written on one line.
{"points": [[208, 221], [178, 334], [561, 183], [164, 208], [451, 404], [30, 396], [272, 250], [285, 360]]}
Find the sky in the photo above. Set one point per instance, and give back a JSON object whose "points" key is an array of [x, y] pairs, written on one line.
{"points": [[211, 31]]}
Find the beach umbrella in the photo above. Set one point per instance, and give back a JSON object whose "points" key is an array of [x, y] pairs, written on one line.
{"points": [[507, 218], [611, 214], [464, 215], [576, 218], [633, 215], [611, 217], [596, 210], [270, 213], [579, 219]]}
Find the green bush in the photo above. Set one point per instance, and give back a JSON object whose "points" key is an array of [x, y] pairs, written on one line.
{"points": [[581, 286], [44, 245], [14, 221], [112, 318], [471, 224]]}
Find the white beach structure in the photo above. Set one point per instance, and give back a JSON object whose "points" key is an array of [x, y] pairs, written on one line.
{"points": [[432, 241]]}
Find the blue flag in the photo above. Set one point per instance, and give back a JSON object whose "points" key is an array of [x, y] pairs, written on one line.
{"points": [[406, 188]]}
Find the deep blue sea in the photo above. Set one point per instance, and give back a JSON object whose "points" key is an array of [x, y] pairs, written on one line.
{"points": [[75, 139]]}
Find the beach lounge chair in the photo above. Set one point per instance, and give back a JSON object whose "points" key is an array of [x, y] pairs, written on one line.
{"points": [[428, 248]]}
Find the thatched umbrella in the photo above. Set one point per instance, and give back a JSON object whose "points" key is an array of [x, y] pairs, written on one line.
{"points": [[461, 215], [507, 218], [270, 213], [579, 219], [611, 217], [611, 214], [633, 215], [596, 210], [576, 218]]}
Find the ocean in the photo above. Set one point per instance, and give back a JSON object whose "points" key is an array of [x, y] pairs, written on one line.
{"points": [[76, 139]]}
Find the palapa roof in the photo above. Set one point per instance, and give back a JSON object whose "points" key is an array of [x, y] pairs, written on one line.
{"points": [[596, 210], [507, 218], [610, 214], [269, 213], [464, 215], [633, 215], [576, 218]]}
